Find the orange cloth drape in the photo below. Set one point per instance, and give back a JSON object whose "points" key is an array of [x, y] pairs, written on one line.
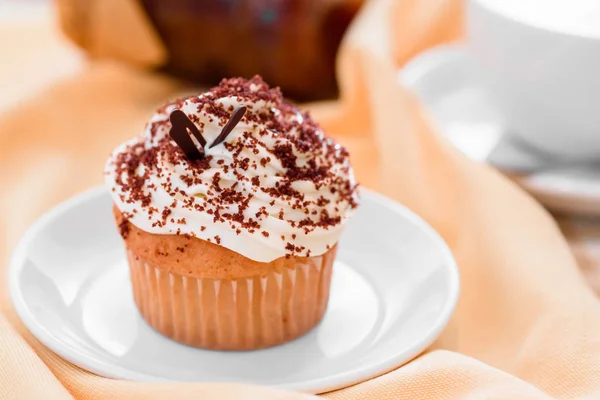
{"points": [[526, 326]]}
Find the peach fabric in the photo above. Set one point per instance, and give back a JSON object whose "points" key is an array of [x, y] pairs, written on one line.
{"points": [[527, 326], [113, 29]]}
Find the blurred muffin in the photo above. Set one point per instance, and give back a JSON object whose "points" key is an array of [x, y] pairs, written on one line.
{"points": [[235, 250], [292, 43]]}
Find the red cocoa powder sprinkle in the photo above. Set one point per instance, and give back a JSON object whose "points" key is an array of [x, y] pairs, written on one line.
{"points": [[296, 137], [124, 228]]}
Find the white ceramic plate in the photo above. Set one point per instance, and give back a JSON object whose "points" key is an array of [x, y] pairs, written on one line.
{"points": [[395, 285], [446, 82]]}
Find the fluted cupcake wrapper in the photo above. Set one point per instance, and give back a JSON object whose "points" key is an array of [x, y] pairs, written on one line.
{"points": [[233, 314]]}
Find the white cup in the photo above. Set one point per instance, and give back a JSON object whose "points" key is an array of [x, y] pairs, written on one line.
{"points": [[540, 63]]}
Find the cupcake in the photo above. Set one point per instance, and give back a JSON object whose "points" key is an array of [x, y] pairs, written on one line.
{"points": [[231, 205]]}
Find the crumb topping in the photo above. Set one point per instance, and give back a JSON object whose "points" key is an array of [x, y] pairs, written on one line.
{"points": [[276, 172]]}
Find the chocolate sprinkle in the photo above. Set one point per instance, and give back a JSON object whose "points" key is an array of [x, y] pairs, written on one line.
{"points": [[261, 175], [124, 228]]}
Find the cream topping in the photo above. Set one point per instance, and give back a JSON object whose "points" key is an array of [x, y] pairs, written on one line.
{"points": [[275, 187]]}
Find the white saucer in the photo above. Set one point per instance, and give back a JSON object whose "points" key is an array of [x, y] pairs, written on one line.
{"points": [[395, 286], [447, 84]]}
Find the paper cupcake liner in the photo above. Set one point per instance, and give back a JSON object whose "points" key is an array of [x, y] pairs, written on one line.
{"points": [[233, 314]]}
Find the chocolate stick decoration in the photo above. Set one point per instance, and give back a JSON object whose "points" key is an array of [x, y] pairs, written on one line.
{"points": [[180, 124], [236, 116]]}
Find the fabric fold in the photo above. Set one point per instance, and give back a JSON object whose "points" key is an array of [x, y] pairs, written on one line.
{"points": [[527, 326]]}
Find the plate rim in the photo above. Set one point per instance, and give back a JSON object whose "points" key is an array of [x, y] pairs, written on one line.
{"points": [[317, 385]]}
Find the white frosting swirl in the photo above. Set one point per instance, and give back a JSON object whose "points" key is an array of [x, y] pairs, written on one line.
{"points": [[276, 187]]}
